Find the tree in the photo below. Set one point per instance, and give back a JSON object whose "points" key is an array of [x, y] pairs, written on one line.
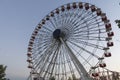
{"points": [[69, 78], [52, 78], [74, 77], [2, 72], [115, 76], [118, 22]]}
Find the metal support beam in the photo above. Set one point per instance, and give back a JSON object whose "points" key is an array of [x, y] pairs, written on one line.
{"points": [[83, 73]]}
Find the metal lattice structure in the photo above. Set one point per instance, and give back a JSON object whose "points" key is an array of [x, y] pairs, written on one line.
{"points": [[108, 75], [69, 43]]}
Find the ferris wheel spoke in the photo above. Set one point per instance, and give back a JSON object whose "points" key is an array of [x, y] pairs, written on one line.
{"points": [[50, 26], [59, 66], [64, 20], [90, 30], [84, 26], [85, 36], [90, 20], [45, 62], [41, 60], [50, 65], [44, 32], [73, 17], [39, 52], [46, 36], [78, 15], [44, 65], [47, 44], [47, 29], [88, 44], [91, 26], [85, 60], [64, 66], [98, 24], [44, 55], [44, 42], [85, 33], [93, 20], [55, 21], [84, 49], [89, 38], [69, 64], [45, 39], [39, 66], [86, 13], [90, 17], [61, 18], [54, 60], [68, 16], [80, 19], [53, 25], [76, 62]]}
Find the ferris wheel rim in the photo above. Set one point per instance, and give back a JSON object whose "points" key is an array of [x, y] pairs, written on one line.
{"points": [[62, 31]]}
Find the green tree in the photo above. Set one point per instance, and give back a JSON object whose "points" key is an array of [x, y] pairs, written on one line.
{"points": [[118, 22], [69, 78], [74, 77], [2, 72], [52, 78]]}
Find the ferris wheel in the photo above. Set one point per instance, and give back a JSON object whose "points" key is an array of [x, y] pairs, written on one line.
{"points": [[71, 42]]}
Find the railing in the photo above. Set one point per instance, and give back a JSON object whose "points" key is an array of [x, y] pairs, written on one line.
{"points": [[108, 75], [104, 75]]}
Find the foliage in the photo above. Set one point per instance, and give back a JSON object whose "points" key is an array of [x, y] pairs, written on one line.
{"points": [[74, 77], [52, 78], [115, 76], [69, 78], [118, 22], [2, 72]]}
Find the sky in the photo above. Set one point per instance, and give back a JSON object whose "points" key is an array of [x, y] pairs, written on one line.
{"points": [[18, 18]]}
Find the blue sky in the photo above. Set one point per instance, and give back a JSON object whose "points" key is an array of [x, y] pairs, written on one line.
{"points": [[18, 19]]}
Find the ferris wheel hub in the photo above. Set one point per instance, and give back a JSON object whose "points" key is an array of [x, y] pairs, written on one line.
{"points": [[57, 33]]}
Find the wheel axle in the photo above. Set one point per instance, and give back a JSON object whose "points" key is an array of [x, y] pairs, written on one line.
{"points": [[57, 34]]}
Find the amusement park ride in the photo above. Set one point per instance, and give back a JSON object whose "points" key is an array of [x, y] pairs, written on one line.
{"points": [[71, 43]]}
